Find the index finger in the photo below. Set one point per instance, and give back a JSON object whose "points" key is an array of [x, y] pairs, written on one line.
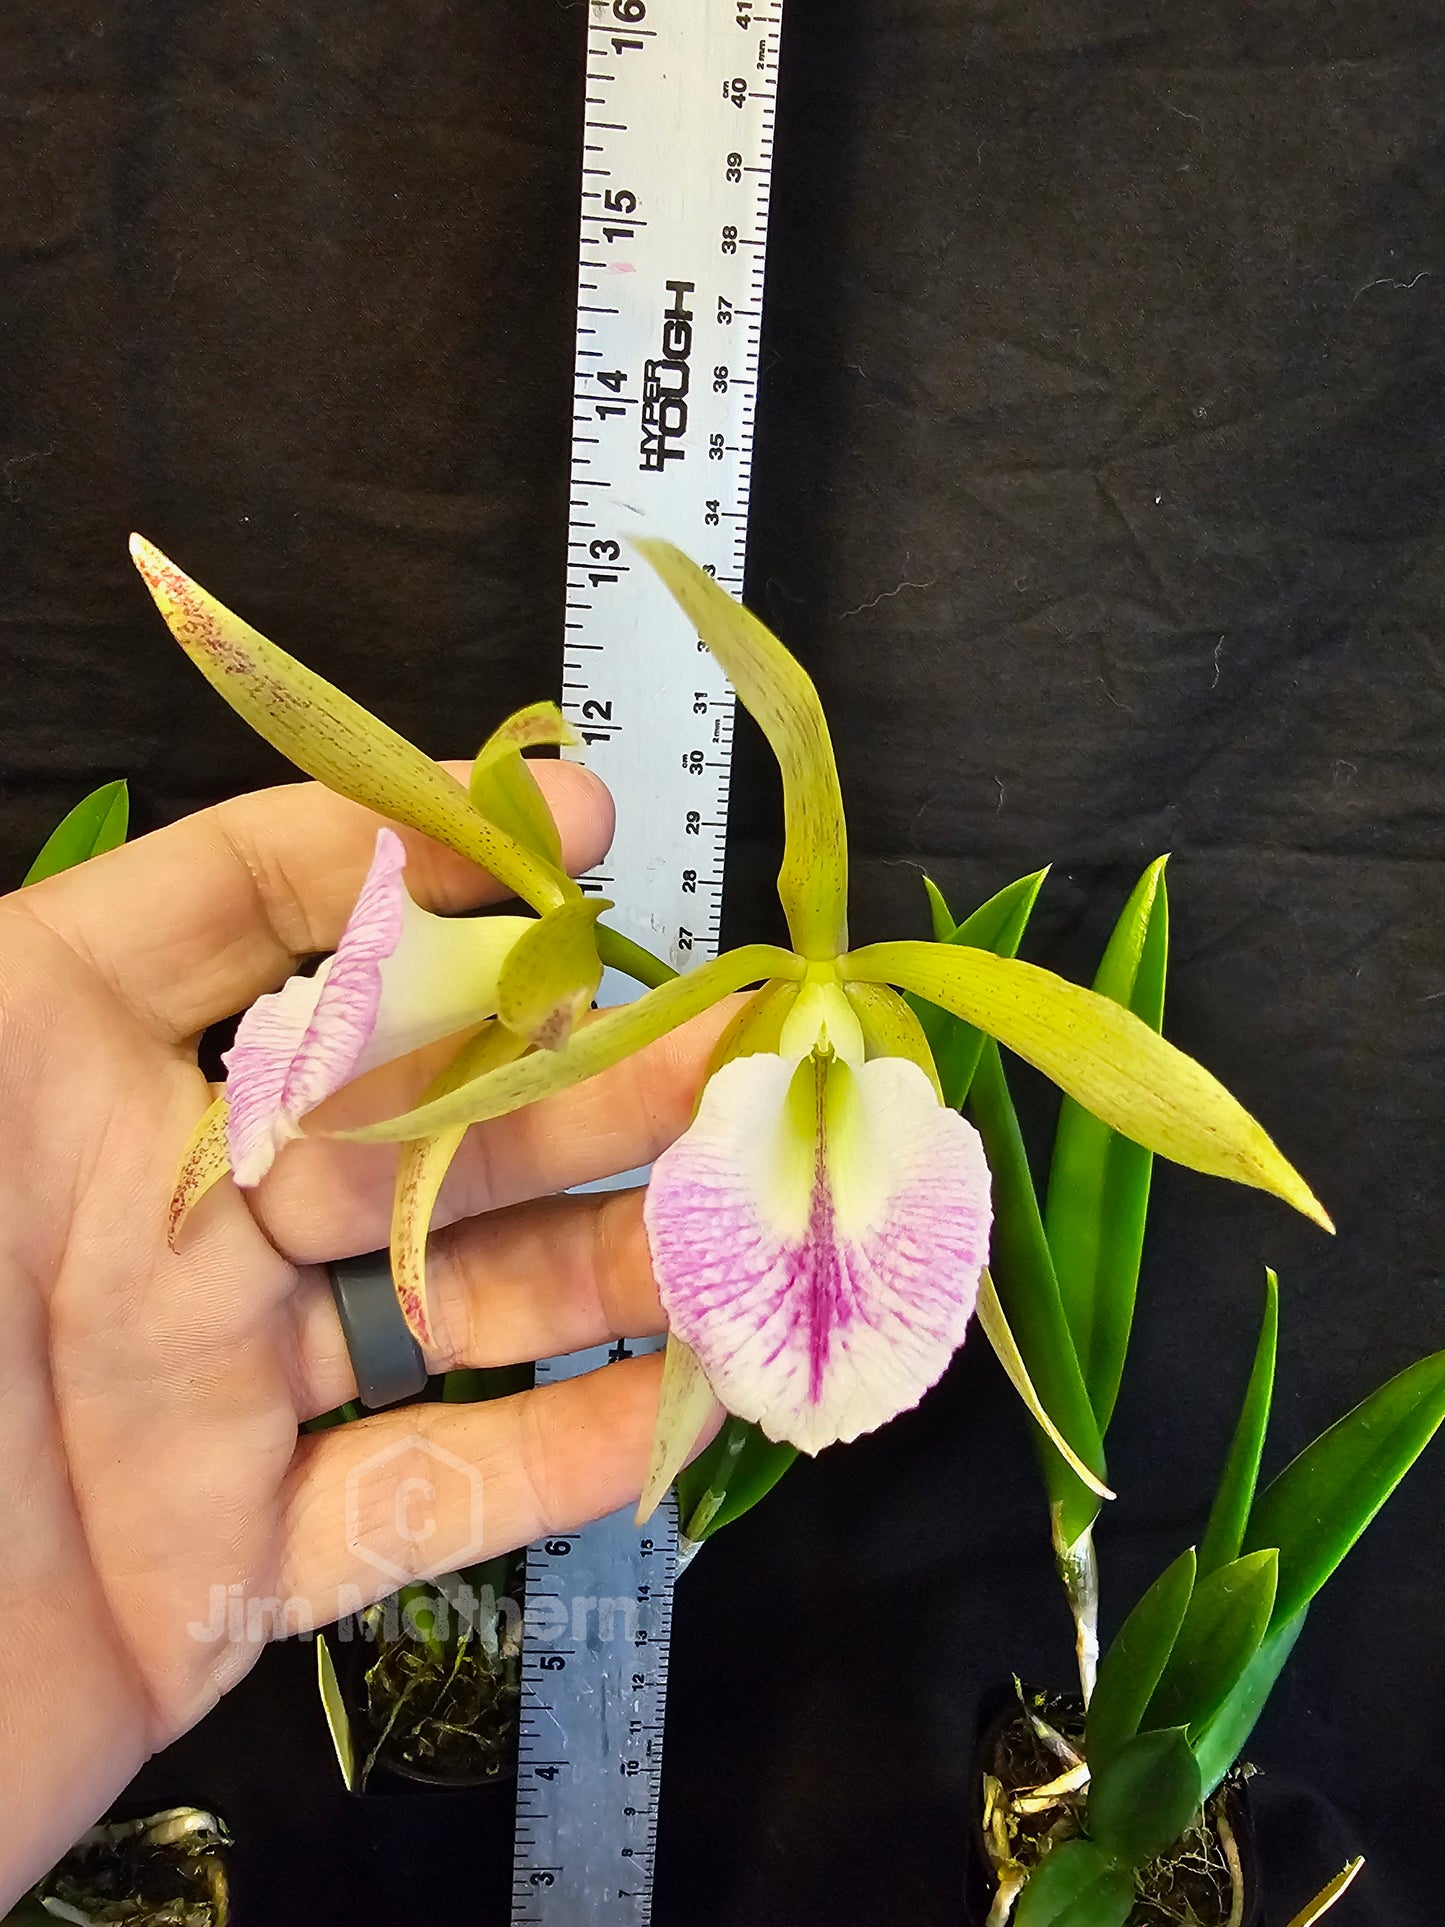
{"points": [[192, 923]]}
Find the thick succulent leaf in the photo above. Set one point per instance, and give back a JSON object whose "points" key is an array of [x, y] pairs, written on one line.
{"points": [[1137, 1656], [1146, 1796], [1219, 1743], [1229, 1515], [204, 1162], [726, 1479], [890, 1029], [595, 1047], [505, 790], [1023, 1271], [332, 738], [1098, 1193], [995, 1326], [997, 925], [1228, 1617], [1320, 1504], [1076, 1885], [779, 694], [685, 1404], [421, 1170], [97, 823], [1098, 1053], [1328, 1895], [551, 974]]}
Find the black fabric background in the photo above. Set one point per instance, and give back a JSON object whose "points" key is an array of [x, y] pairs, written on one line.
{"points": [[1099, 485]]}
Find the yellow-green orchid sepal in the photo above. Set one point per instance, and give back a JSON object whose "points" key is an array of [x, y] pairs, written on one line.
{"points": [[1100, 1054], [996, 1329], [779, 694], [204, 1162], [422, 1168], [890, 1028], [551, 974], [504, 789], [332, 738], [686, 1404], [594, 1048]]}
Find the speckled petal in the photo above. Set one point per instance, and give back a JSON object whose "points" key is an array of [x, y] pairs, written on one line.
{"points": [[818, 1236]]}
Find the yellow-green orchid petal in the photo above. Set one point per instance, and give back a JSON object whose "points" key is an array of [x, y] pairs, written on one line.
{"points": [[890, 1028], [505, 790], [758, 1026], [332, 738], [551, 974], [996, 1329], [423, 1166], [1098, 1052], [779, 694], [594, 1048], [204, 1162], [685, 1404]]}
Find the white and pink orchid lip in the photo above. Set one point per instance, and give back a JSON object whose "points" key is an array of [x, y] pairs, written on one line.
{"points": [[818, 1236], [400, 978]]}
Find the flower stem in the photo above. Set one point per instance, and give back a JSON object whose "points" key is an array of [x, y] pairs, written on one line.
{"points": [[621, 953], [1079, 1570]]}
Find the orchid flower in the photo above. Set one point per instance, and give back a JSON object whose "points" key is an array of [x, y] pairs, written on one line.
{"points": [[819, 1234], [400, 977]]}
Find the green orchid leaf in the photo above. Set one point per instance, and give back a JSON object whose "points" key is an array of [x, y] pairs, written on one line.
{"points": [[1229, 1515], [1320, 1504], [1228, 1617], [551, 974], [997, 925], [1147, 1796], [779, 695], [97, 823], [504, 789], [1098, 1053], [1098, 1193], [323, 732], [1023, 1273], [1075, 1885], [740, 1467], [595, 1047], [1133, 1665], [1223, 1737]]}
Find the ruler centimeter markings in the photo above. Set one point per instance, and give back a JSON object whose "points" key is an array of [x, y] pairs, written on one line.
{"points": [[676, 170]]}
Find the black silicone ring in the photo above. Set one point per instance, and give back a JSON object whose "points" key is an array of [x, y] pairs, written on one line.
{"points": [[388, 1362]]}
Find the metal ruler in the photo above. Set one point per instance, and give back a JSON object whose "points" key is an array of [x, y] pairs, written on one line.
{"points": [[676, 168]]}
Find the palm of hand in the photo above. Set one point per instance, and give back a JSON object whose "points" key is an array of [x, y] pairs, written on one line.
{"points": [[150, 1399]]}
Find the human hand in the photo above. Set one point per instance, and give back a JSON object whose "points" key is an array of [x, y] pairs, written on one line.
{"points": [[150, 1399]]}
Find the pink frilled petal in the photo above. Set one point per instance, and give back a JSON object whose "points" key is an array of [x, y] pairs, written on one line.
{"points": [[400, 978], [818, 1236]]}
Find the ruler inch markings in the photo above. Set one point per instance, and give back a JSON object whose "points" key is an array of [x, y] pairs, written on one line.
{"points": [[672, 241]]}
